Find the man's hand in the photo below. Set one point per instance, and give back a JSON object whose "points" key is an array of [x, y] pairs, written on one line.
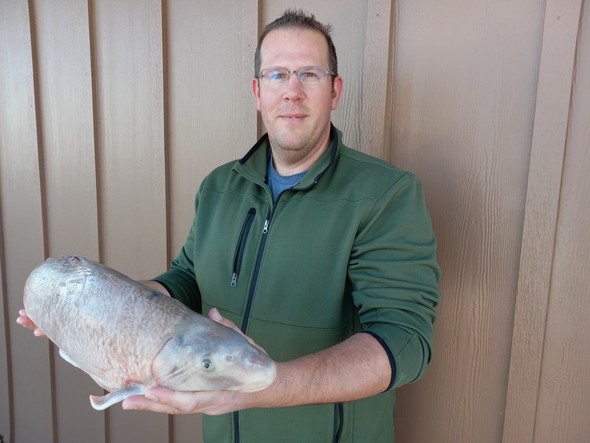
{"points": [[354, 369], [24, 320], [159, 399]]}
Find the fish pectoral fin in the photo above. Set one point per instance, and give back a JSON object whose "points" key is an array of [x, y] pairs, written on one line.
{"points": [[67, 358], [102, 402]]}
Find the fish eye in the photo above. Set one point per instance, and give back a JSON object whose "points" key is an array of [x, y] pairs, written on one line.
{"points": [[207, 364]]}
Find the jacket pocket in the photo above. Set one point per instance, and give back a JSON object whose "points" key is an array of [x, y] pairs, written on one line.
{"points": [[240, 246]]}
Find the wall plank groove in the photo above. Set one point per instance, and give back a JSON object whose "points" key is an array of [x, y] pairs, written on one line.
{"points": [[374, 84], [24, 243], [470, 147], [6, 415], [131, 160], [543, 192], [113, 111], [70, 189], [564, 391]]}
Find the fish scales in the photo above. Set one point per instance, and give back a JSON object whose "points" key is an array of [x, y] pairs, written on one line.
{"points": [[128, 337], [84, 301]]}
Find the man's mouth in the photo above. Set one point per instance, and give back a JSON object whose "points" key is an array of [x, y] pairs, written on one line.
{"points": [[292, 116]]}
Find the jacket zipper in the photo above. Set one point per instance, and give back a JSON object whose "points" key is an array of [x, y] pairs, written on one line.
{"points": [[237, 427], [338, 421], [236, 414], [241, 245], [244, 326], [338, 408]]}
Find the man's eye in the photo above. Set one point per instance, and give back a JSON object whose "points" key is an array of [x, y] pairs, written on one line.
{"points": [[275, 75], [309, 75]]}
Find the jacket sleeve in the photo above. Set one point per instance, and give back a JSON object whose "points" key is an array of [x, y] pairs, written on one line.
{"points": [[180, 280], [394, 273]]}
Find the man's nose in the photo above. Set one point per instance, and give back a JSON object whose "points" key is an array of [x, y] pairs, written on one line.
{"points": [[294, 88]]}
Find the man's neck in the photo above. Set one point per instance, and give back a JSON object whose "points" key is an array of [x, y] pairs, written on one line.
{"points": [[286, 163]]}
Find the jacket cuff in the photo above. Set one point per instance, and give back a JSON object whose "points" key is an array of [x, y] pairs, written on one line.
{"points": [[389, 356]]}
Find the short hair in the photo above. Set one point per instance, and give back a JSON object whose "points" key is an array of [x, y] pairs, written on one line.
{"points": [[297, 18]]}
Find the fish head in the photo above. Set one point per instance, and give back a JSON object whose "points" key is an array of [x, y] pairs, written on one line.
{"points": [[213, 357]]}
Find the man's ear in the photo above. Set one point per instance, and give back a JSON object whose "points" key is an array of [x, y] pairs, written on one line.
{"points": [[337, 87], [256, 92]]}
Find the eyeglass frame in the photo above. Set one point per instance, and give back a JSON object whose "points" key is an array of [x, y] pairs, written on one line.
{"points": [[327, 71]]}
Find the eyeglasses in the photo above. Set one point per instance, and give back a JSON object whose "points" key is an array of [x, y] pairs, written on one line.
{"points": [[308, 75]]}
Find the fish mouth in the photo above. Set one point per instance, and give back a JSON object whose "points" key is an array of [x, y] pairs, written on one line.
{"points": [[259, 372], [260, 381]]}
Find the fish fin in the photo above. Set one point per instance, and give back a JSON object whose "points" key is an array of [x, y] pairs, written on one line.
{"points": [[67, 358], [100, 402]]}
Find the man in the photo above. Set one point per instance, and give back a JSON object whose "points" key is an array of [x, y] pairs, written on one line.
{"points": [[322, 255]]}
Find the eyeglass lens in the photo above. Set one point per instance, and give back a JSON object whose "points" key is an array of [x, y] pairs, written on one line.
{"points": [[308, 75]]}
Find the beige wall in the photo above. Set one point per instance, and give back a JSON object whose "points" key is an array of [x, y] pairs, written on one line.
{"points": [[112, 111]]}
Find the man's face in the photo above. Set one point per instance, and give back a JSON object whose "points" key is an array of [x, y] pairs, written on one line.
{"points": [[296, 117]]}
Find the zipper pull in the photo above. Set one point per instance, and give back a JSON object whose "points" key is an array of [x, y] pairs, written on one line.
{"points": [[234, 280], [265, 229]]}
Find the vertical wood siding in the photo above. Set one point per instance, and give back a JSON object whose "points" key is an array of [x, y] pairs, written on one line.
{"points": [[113, 111], [465, 85], [542, 212]]}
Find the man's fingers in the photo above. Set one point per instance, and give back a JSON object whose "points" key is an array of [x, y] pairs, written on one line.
{"points": [[24, 320], [216, 316]]}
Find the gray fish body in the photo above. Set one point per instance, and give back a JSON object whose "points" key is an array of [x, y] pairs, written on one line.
{"points": [[128, 337]]}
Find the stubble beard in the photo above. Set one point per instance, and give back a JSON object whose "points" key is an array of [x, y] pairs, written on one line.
{"points": [[291, 148]]}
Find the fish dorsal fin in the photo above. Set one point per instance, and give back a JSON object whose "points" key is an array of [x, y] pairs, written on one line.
{"points": [[102, 402]]}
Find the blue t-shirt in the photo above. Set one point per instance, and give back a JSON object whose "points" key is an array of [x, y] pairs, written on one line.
{"points": [[278, 183]]}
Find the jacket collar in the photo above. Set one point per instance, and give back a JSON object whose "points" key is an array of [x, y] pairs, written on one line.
{"points": [[253, 165]]}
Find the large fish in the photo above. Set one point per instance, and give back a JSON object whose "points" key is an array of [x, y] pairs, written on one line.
{"points": [[129, 338]]}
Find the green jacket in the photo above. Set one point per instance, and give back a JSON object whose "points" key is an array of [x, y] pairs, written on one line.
{"points": [[349, 249]]}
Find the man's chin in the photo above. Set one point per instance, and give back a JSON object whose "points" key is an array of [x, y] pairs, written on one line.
{"points": [[289, 142]]}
